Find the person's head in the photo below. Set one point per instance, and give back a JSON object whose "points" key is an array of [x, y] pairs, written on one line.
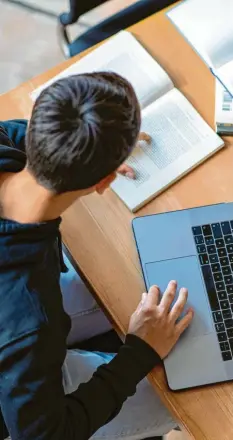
{"points": [[81, 130]]}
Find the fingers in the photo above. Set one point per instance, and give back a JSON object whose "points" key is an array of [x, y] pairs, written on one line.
{"points": [[144, 137], [144, 296], [184, 323], [179, 305], [142, 302], [126, 171], [168, 296], [152, 297]]}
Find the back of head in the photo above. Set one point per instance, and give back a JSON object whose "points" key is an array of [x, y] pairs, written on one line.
{"points": [[81, 129]]}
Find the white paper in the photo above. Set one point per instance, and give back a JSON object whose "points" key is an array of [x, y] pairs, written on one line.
{"points": [[207, 25], [225, 73], [124, 55], [181, 140]]}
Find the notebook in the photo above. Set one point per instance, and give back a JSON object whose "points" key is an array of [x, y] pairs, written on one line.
{"points": [[207, 25], [180, 138], [223, 111]]}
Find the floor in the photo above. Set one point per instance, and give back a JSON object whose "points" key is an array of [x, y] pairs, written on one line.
{"points": [[28, 40], [28, 45]]}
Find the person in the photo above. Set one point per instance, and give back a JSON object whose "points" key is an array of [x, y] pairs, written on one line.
{"points": [[81, 131]]}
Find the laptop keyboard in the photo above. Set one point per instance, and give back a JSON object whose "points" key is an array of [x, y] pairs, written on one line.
{"points": [[214, 243]]}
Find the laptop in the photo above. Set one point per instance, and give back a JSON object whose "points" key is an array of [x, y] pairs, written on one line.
{"points": [[195, 248]]}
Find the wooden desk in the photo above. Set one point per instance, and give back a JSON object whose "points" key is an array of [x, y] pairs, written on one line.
{"points": [[97, 229]]}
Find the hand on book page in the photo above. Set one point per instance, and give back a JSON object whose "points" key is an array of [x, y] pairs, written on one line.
{"points": [[125, 169]]}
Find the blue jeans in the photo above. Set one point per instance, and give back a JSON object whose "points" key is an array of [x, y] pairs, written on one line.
{"points": [[142, 415]]}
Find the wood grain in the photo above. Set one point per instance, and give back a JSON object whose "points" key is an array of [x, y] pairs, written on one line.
{"points": [[97, 229]]}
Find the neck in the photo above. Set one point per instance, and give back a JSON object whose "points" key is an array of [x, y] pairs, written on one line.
{"points": [[22, 199]]}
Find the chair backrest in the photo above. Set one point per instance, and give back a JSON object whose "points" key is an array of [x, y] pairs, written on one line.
{"points": [[123, 19]]}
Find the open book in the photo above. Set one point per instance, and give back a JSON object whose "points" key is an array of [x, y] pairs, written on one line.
{"points": [[181, 139], [207, 25]]}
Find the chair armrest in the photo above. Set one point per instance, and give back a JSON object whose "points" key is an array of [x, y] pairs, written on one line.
{"points": [[78, 8]]}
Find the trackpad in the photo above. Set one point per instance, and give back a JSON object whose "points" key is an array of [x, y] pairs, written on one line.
{"points": [[187, 273]]}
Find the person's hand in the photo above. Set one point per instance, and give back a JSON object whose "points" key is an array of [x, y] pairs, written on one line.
{"points": [[126, 170], [155, 320]]}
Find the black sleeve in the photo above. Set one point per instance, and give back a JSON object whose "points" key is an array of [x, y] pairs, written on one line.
{"points": [[32, 398], [16, 130]]}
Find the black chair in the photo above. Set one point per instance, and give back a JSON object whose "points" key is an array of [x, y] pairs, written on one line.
{"points": [[123, 19]]}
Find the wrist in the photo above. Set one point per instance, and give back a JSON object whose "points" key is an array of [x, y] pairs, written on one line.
{"points": [[144, 352]]}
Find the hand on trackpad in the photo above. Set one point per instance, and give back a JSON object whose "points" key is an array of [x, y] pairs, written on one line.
{"points": [[187, 273]]}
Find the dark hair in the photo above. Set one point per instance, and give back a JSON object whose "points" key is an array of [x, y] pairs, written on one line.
{"points": [[81, 129]]}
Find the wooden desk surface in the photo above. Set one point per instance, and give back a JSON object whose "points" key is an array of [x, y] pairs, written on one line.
{"points": [[97, 229]]}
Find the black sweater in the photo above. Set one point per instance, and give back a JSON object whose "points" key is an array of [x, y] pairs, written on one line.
{"points": [[34, 328]]}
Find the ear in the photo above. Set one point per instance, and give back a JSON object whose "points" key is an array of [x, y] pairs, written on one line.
{"points": [[105, 183]]}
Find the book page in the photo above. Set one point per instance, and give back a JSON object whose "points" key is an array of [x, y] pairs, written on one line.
{"points": [[124, 55], [207, 25], [181, 139]]}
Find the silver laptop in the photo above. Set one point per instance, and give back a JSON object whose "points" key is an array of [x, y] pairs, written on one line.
{"points": [[194, 247]]}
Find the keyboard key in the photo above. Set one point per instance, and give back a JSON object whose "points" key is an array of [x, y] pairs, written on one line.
{"points": [[197, 230], [209, 241], [228, 239], [204, 259], [222, 295], [227, 356], [224, 346], [229, 288], [220, 286], [228, 279], [228, 323], [216, 267], [199, 239], [206, 229], [220, 327], [213, 258], [224, 305], [231, 223], [222, 252], [211, 249], [229, 248], [226, 229], [230, 258], [222, 337], [218, 276], [224, 261], [231, 343], [230, 297], [210, 287], [227, 314], [232, 267], [230, 332], [217, 232], [217, 317], [201, 248], [226, 270], [220, 243]]}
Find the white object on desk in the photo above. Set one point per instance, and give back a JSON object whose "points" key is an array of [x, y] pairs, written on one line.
{"points": [[207, 25], [223, 110]]}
